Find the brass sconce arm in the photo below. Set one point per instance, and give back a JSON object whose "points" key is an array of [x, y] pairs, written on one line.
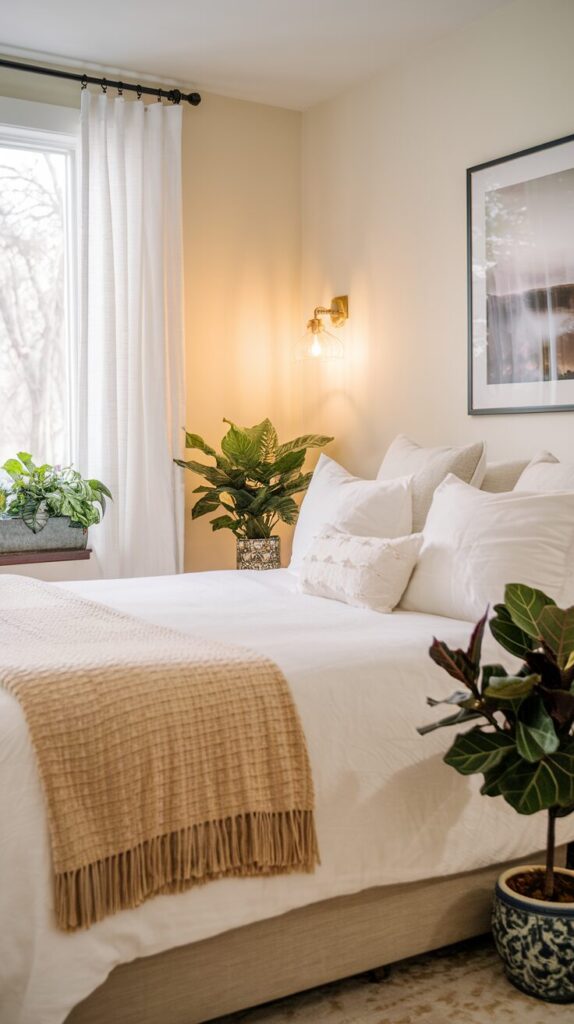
{"points": [[338, 310]]}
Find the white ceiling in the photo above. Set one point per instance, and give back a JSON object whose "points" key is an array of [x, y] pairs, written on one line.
{"points": [[291, 53]]}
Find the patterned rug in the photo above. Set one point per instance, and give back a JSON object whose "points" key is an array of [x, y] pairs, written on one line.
{"points": [[460, 985]]}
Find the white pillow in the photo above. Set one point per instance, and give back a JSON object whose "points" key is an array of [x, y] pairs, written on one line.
{"points": [[429, 466], [368, 572], [368, 508], [544, 473], [474, 543]]}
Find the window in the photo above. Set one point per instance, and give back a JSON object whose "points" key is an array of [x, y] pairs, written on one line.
{"points": [[38, 321]]}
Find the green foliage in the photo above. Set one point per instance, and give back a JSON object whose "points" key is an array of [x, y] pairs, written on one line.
{"points": [[38, 493], [254, 479], [524, 745]]}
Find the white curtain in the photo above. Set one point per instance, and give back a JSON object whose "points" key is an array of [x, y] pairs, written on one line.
{"points": [[130, 367]]}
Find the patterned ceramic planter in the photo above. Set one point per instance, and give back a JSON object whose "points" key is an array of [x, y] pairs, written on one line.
{"points": [[535, 941], [259, 554]]}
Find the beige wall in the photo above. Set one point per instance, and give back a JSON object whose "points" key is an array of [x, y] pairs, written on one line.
{"points": [[384, 220], [241, 174]]}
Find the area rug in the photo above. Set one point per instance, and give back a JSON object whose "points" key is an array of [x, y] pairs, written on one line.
{"points": [[461, 985]]}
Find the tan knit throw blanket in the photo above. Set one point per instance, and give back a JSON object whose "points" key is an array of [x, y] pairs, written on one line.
{"points": [[166, 760]]}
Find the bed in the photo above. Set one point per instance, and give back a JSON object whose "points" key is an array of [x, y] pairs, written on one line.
{"points": [[409, 849]]}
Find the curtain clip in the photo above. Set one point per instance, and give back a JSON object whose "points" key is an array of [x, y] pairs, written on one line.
{"points": [[84, 81], [139, 92], [120, 88], [104, 86]]}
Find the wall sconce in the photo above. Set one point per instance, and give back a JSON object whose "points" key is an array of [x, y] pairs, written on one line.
{"points": [[317, 343]]}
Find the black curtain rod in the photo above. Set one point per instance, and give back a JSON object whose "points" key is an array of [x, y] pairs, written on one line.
{"points": [[174, 95]]}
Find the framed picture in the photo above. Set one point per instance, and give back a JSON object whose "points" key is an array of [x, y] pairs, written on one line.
{"points": [[520, 217]]}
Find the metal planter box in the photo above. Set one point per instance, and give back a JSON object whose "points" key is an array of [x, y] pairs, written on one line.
{"points": [[57, 535]]}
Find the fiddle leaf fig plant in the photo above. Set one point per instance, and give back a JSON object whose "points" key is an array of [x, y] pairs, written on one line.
{"points": [[253, 480], [38, 493], [522, 735]]}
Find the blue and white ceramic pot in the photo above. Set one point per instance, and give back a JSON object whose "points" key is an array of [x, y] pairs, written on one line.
{"points": [[535, 940]]}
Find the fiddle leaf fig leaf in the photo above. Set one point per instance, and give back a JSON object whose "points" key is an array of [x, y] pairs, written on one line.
{"points": [[475, 645], [464, 715], [535, 732], [535, 786], [477, 751], [492, 672], [510, 688], [514, 640], [456, 663], [557, 631], [525, 605]]}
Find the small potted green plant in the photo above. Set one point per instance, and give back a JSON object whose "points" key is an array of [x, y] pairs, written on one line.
{"points": [[522, 742], [253, 481], [47, 507]]}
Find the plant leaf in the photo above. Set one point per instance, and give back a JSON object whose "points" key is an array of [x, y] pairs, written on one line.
{"points": [[477, 751], [268, 441], [570, 662], [526, 605], [510, 688], [195, 441], [508, 634], [456, 663], [535, 732], [203, 506], [224, 523], [465, 715], [492, 672], [287, 463], [531, 787], [36, 515], [305, 441], [557, 631], [211, 473], [241, 449], [475, 645]]}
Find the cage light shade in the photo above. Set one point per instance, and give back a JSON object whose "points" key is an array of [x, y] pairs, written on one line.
{"points": [[318, 343]]}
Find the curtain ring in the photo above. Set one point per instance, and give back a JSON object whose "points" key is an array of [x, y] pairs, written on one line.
{"points": [[84, 81], [104, 86], [120, 88], [139, 92]]}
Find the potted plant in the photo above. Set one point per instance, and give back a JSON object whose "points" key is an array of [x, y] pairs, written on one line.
{"points": [[253, 481], [47, 507], [522, 742]]}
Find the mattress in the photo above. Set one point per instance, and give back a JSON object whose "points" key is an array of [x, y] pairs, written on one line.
{"points": [[388, 809]]}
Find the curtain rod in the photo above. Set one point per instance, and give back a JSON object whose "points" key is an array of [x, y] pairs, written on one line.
{"points": [[174, 95]]}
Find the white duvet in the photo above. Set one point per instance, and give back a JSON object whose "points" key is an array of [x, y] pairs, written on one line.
{"points": [[388, 809]]}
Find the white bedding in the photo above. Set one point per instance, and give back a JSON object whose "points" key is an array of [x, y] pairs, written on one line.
{"points": [[388, 809]]}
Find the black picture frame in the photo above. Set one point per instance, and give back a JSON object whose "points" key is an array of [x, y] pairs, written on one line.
{"points": [[471, 177]]}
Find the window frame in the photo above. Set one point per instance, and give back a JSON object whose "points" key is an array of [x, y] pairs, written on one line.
{"points": [[25, 124]]}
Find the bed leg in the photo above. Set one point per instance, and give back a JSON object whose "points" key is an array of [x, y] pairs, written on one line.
{"points": [[570, 856], [379, 974]]}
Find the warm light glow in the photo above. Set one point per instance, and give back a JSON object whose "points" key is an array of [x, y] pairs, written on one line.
{"points": [[317, 343]]}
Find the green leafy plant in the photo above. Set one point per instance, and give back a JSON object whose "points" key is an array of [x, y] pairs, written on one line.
{"points": [[522, 742], [38, 493], [253, 479]]}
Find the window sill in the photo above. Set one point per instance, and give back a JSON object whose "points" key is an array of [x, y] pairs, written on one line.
{"points": [[30, 557]]}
